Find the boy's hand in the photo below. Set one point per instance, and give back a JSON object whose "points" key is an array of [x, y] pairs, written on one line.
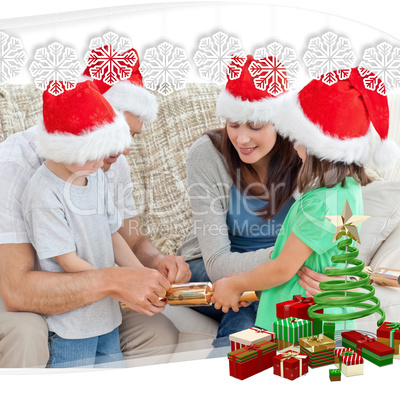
{"points": [[174, 268], [226, 295]]}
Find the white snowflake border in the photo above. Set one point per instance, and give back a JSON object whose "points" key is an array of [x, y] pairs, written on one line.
{"points": [[328, 54], [12, 57], [276, 74], [165, 68], [215, 55], [111, 58], [384, 62], [57, 65]]}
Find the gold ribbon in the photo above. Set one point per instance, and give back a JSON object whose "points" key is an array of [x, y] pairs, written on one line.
{"points": [[289, 355], [316, 338]]}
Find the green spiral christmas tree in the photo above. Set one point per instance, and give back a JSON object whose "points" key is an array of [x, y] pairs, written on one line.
{"points": [[339, 293]]}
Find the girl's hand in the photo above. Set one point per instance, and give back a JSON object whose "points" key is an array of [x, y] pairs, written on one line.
{"points": [[226, 295]]}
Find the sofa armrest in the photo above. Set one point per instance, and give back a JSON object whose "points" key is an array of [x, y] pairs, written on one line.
{"points": [[388, 254]]}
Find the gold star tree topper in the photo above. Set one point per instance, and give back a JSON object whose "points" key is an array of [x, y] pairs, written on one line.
{"points": [[346, 224]]}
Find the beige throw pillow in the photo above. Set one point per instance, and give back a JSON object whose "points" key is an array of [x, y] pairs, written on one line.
{"points": [[382, 204]]}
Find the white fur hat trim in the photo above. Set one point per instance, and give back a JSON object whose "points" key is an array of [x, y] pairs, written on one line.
{"points": [[137, 100], [108, 139]]}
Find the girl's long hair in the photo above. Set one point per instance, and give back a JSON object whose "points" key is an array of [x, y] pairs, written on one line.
{"points": [[317, 173], [281, 179]]}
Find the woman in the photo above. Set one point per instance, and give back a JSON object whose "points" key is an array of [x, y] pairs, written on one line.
{"points": [[242, 180]]}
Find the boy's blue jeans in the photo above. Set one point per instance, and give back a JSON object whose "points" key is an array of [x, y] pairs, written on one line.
{"points": [[230, 322], [99, 351]]}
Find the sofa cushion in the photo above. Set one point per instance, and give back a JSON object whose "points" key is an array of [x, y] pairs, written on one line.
{"points": [[382, 204]]}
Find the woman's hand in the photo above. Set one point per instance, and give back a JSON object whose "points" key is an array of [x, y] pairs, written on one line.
{"points": [[226, 294], [310, 280]]}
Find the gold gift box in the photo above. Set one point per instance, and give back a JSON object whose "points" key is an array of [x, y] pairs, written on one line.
{"points": [[395, 346], [317, 343]]}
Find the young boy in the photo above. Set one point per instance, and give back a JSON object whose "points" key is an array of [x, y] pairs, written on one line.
{"points": [[71, 221]]}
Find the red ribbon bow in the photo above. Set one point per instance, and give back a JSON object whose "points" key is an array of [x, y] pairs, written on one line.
{"points": [[302, 299], [253, 347], [363, 339], [260, 331], [366, 338]]}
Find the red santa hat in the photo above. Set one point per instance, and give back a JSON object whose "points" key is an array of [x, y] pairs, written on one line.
{"points": [[248, 98], [344, 122], [79, 125], [126, 95]]}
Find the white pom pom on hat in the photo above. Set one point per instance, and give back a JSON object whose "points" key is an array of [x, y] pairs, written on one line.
{"points": [[127, 95]]}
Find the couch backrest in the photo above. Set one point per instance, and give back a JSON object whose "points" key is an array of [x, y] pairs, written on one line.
{"points": [[158, 154], [20, 108], [158, 162]]}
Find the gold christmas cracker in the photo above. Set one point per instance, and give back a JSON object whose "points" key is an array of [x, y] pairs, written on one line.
{"points": [[194, 294], [384, 276]]}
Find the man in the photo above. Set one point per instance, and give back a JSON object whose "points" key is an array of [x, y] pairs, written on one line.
{"points": [[25, 292]]}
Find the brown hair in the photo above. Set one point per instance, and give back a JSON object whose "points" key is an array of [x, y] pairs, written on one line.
{"points": [[317, 173], [281, 179]]}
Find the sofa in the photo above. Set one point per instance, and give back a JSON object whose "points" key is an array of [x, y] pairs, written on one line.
{"points": [[157, 163]]}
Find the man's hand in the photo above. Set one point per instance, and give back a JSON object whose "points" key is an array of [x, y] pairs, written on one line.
{"points": [[310, 280], [174, 268], [140, 289]]}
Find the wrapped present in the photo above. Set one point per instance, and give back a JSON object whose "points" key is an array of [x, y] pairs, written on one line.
{"points": [[249, 337], [317, 343], [340, 351], [319, 359], [369, 348], [251, 359], [298, 307], [319, 349], [335, 374], [292, 329], [290, 365], [389, 334], [287, 345], [350, 363], [329, 330]]}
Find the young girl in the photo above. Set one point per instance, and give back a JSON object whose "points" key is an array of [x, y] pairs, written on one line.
{"points": [[72, 222], [241, 182], [333, 131]]}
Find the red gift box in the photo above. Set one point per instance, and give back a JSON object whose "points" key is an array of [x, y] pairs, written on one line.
{"points": [[365, 341], [298, 307], [389, 334], [368, 347], [251, 359], [290, 365]]}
